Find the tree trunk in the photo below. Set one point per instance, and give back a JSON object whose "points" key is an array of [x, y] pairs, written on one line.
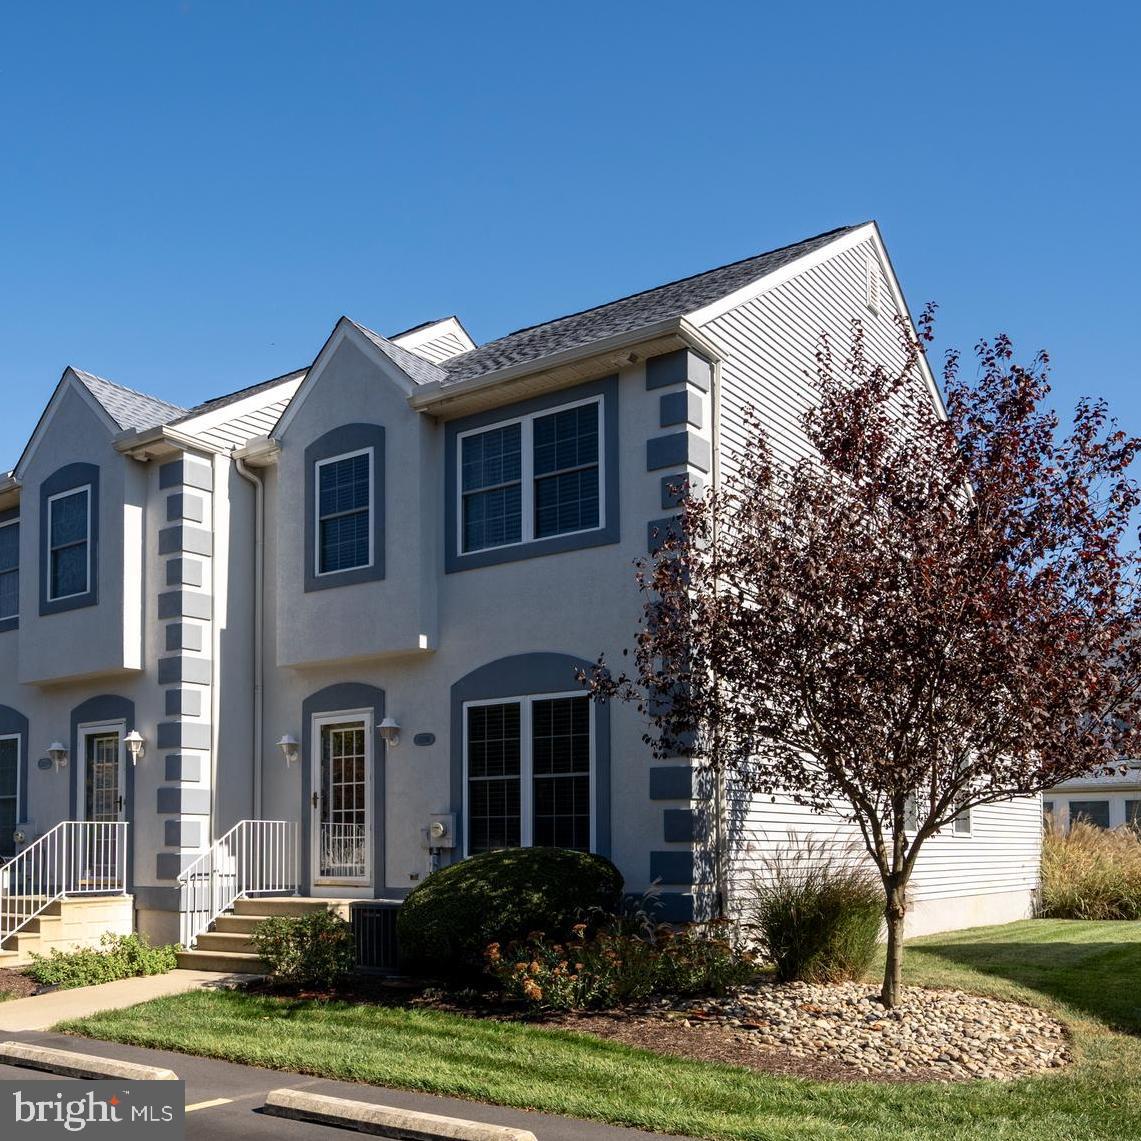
{"points": [[893, 968]]}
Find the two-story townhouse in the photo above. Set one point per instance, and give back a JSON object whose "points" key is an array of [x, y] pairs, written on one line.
{"points": [[352, 599]]}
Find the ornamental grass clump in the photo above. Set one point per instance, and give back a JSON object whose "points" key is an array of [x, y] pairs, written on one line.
{"points": [[816, 912], [1091, 873], [618, 965]]}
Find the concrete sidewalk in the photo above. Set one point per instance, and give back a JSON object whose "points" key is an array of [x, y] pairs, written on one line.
{"points": [[224, 1099], [42, 1011]]}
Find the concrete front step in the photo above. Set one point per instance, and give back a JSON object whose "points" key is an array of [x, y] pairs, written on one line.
{"points": [[290, 905], [236, 924], [228, 945], [226, 942], [231, 962]]}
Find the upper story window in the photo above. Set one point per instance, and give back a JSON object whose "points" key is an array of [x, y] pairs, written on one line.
{"points": [[69, 544], [344, 512], [344, 507], [68, 539], [9, 570], [534, 477]]}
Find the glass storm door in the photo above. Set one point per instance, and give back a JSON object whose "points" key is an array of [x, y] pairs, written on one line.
{"points": [[342, 784], [104, 802]]}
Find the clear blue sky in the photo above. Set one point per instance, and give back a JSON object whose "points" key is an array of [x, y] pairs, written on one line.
{"points": [[192, 192]]}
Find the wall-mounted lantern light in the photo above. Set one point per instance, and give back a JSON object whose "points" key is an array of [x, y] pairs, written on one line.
{"points": [[389, 731], [58, 753], [136, 746], [290, 749]]}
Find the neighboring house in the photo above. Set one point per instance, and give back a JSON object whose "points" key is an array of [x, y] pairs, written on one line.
{"points": [[1107, 801], [353, 599]]}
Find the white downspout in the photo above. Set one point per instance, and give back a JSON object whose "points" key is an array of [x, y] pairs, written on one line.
{"points": [[259, 627]]}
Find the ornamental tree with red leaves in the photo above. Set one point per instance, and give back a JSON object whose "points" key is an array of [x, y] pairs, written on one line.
{"points": [[926, 613]]}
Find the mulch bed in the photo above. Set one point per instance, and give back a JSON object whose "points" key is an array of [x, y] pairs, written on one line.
{"points": [[15, 984]]}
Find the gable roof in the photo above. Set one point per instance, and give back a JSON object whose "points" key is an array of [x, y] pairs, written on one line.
{"points": [[674, 299], [128, 408], [420, 370]]}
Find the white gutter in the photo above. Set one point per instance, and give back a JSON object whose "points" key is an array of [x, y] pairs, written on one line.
{"points": [[157, 442], [259, 627], [427, 396]]}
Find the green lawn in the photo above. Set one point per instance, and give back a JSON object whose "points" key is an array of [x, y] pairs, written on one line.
{"points": [[1088, 973]]}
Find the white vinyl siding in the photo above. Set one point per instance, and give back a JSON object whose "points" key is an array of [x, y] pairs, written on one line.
{"points": [[441, 348], [768, 348]]}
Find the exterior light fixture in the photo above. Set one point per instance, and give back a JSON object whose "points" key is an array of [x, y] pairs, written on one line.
{"points": [[136, 746], [290, 749], [58, 754], [389, 731]]}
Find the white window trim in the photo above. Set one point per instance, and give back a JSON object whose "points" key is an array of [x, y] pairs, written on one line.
{"points": [[963, 833], [317, 571], [526, 769], [16, 569], [19, 759], [99, 729], [87, 539], [320, 720], [527, 475]]}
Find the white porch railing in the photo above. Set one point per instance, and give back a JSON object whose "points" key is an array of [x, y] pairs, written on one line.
{"points": [[76, 857], [256, 857], [343, 849]]}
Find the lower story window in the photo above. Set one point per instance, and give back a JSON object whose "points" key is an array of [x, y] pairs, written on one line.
{"points": [[9, 793], [529, 766]]}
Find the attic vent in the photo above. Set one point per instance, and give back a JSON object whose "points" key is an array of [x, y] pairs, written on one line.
{"points": [[872, 282]]}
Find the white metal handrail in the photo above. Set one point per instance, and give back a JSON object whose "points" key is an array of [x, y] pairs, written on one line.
{"points": [[76, 857], [256, 857]]}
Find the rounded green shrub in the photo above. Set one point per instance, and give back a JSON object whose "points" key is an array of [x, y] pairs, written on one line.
{"points": [[448, 921]]}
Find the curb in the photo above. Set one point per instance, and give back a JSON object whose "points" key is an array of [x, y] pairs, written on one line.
{"points": [[72, 1065], [385, 1120]]}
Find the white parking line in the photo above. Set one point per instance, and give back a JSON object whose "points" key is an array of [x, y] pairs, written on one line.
{"points": [[209, 1104]]}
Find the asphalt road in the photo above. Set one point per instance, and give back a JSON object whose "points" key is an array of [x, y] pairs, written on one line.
{"points": [[224, 1100]]}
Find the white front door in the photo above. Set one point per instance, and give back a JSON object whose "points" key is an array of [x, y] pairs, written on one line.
{"points": [[341, 802], [102, 801]]}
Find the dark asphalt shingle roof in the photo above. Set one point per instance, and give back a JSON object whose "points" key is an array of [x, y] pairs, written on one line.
{"points": [[628, 313], [131, 409], [128, 408], [419, 369]]}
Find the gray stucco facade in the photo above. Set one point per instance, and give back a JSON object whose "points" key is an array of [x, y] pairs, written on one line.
{"points": [[208, 630]]}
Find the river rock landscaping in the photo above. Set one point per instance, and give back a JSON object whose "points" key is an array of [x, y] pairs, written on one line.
{"points": [[945, 1035]]}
